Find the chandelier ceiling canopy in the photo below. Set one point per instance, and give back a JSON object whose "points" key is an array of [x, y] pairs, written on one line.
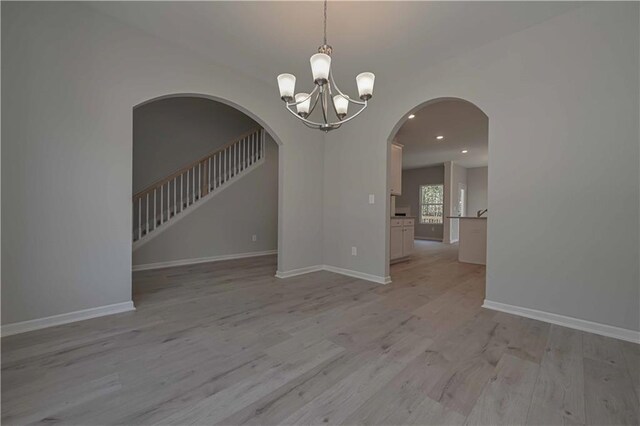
{"points": [[325, 91]]}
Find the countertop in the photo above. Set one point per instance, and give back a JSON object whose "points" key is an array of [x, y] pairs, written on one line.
{"points": [[467, 217], [403, 217]]}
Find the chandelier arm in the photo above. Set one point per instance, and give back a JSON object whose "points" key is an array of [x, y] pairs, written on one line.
{"points": [[311, 126], [333, 125], [315, 102], [333, 83], [333, 104], [323, 93], [294, 103], [353, 116], [295, 114]]}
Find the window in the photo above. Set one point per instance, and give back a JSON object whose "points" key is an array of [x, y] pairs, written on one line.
{"points": [[431, 204]]}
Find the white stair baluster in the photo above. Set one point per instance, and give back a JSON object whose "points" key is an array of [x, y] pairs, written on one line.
{"points": [[161, 204], [146, 228], [139, 218], [155, 214], [214, 184], [209, 178], [242, 154]]}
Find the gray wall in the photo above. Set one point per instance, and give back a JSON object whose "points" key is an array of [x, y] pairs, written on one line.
{"points": [[558, 135], [562, 102], [225, 223], [477, 180], [411, 181], [458, 177], [173, 132], [70, 79]]}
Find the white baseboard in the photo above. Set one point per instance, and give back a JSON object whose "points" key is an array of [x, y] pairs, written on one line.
{"points": [[348, 272], [182, 262], [36, 324], [299, 271], [355, 274], [570, 322]]}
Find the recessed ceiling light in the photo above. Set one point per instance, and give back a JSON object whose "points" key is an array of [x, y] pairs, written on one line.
{"points": [[439, 137], [464, 151], [411, 116]]}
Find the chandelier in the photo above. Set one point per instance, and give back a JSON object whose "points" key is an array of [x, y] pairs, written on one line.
{"points": [[325, 92]]}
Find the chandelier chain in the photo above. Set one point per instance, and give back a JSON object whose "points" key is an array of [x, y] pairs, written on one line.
{"points": [[325, 22]]}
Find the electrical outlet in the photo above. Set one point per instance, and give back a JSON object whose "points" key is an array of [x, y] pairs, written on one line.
{"points": [[433, 228], [372, 199], [354, 251], [254, 238]]}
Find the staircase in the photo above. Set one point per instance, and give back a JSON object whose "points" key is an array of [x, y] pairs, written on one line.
{"points": [[161, 204]]}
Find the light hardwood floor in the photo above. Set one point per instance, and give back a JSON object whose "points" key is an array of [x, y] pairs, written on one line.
{"points": [[227, 343]]}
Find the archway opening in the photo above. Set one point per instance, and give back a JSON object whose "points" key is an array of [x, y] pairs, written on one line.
{"points": [[438, 186], [205, 184]]}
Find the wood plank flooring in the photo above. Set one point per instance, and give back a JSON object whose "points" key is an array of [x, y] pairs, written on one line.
{"points": [[227, 343]]}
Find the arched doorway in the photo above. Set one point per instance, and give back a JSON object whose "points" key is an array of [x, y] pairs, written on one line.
{"points": [[438, 184], [205, 183]]}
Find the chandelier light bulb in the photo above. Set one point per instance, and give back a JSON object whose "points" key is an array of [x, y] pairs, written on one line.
{"points": [[365, 82], [341, 104], [320, 66], [303, 106], [287, 86]]}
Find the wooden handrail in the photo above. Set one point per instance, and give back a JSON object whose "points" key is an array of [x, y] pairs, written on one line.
{"points": [[183, 169]]}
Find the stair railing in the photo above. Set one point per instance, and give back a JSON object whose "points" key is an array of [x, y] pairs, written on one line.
{"points": [[170, 196]]}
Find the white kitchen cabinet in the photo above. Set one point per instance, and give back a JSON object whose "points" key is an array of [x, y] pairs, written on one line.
{"points": [[395, 180], [401, 240], [397, 247], [407, 240]]}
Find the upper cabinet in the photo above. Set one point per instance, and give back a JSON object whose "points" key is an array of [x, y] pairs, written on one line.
{"points": [[395, 183]]}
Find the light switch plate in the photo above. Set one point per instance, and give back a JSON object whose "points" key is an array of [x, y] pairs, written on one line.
{"points": [[372, 198], [354, 251]]}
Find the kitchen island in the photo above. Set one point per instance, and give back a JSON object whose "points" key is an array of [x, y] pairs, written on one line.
{"points": [[472, 239]]}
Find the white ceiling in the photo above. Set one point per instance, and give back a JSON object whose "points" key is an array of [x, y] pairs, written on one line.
{"points": [[263, 39], [464, 127]]}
